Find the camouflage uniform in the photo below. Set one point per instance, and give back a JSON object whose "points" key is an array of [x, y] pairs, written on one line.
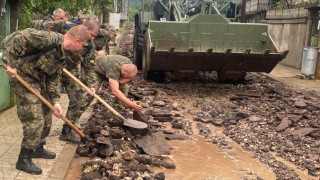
{"points": [[75, 92], [49, 24], [38, 57], [101, 41], [109, 67]]}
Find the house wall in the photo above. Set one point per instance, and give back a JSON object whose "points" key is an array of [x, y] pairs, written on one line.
{"points": [[289, 35]]}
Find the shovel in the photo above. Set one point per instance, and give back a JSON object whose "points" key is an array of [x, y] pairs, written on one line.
{"points": [[36, 93], [127, 122]]}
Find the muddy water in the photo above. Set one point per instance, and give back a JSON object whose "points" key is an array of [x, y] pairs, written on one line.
{"points": [[201, 160]]}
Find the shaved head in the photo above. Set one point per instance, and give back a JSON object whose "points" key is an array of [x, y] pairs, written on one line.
{"points": [[129, 70]]}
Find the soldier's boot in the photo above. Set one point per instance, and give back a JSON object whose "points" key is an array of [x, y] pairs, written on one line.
{"points": [[25, 162], [66, 135], [42, 153]]}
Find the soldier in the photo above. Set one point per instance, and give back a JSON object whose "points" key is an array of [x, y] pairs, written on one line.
{"points": [[66, 16], [38, 57], [75, 93], [102, 41], [118, 71], [55, 21]]}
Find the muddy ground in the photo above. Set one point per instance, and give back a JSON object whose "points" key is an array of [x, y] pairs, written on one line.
{"points": [[266, 118]]}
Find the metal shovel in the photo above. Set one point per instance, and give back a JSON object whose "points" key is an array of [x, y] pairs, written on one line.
{"points": [[46, 102], [127, 122]]}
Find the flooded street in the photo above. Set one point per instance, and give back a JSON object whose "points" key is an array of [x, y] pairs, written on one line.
{"points": [[201, 129], [199, 159]]}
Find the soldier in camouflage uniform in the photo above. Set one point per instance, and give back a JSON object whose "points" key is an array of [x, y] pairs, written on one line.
{"points": [[38, 57], [75, 93], [102, 41], [118, 71], [56, 22]]}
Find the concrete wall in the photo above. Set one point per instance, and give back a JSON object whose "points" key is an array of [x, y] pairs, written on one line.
{"points": [[289, 36]]}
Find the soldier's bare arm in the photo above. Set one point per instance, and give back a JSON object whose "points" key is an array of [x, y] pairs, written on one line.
{"points": [[114, 86]]}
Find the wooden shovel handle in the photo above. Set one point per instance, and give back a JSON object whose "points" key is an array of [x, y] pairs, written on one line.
{"points": [[95, 95], [36, 93]]}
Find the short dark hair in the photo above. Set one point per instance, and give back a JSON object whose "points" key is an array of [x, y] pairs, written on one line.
{"points": [[91, 25], [78, 32]]}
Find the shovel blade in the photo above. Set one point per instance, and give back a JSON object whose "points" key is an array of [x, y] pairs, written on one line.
{"points": [[134, 123]]}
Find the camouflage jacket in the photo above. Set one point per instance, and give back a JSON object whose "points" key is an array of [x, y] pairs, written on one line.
{"points": [[37, 54], [49, 24], [110, 66], [85, 57], [101, 40]]}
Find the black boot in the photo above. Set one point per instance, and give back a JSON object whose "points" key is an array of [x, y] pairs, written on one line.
{"points": [[42, 153], [25, 162], [66, 135]]}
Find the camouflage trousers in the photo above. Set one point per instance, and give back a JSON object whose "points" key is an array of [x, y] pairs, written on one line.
{"points": [[36, 117], [118, 105], [75, 94]]}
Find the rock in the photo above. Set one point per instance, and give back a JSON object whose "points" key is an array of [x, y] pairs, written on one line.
{"points": [[315, 124], [144, 105], [204, 120], [162, 163], [91, 175], [177, 124], [285, 123], [148, 93], [160, 176], [103, 140], [300, 103], [154, 144], [129, 155], [214, 113], [84, 150], [143, 158], [104, 132], [218, 122], [238, 98], [316, 134], [116, 133], [294, 118], [163, 119], [241, 115], [303, 131], [175, 137], [113, 177], [161, 114], [292, 159], [254, 119], [138, 115], [159, 103], [105, 150]]}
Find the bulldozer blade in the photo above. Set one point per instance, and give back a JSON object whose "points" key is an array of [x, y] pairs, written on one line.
{"points": [[214, 61]]}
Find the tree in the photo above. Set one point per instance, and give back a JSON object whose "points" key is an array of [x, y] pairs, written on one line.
{"points": [[45, 7], [15, 9]]}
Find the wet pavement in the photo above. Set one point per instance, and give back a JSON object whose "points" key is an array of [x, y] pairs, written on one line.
{"points": [[10, 142], [291, 76]]}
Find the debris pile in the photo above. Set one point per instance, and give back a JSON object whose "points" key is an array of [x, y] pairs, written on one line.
{"points": [[267, 118]]}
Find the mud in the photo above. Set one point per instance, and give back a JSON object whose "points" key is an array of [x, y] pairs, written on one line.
{"points": [[248, 125]]}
